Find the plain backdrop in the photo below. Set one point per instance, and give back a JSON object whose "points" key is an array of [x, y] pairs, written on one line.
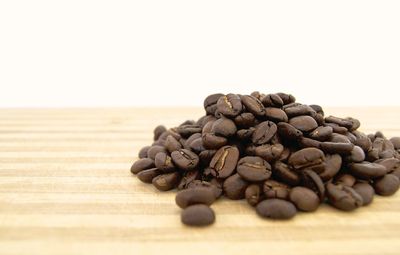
{"points": [[149, 53]]}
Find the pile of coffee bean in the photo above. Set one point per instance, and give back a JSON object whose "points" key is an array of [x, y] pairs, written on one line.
{"points": [[280, 155]]}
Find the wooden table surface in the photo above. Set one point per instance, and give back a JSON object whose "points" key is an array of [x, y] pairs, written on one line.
{"points": [[66, 188]]}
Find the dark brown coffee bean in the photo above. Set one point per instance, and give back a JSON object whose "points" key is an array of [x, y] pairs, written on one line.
{"points": [[158, 131], [357, 155], [312, 181], [286, 98], [186, 143], [304, 199], [276, 114], [275, 189], [188, 178], [143, 152], [362, 140], [198, 215], [197, 145], [288, 132], [153, 150], [346, 179], [396, 142], [264, 132], [235, 187], [343, 197], [245, 134], [229, 105], [147, 176], [201, 195], [303, 123], [396, 173], [253, 194], [336, 128], [224, 127], [224, 161], [387, 185], [253, 105], [142, 164], [164, 162], [321, 133], [317, 108], [366, 170], [269, 152], [164, 182], [210, 103], [340, 121], [339, 138], [185, 159], [206, 156], [254, 169], [391, 164], [365, 191], [245, 120], [272, 100], [337, 148], [306, 142], [298, 110], [208, 127], [215, 186], [212, 141], [187, 130], [306, 157], [276, 209], [284, 173], [171, 144], [333, 163]]}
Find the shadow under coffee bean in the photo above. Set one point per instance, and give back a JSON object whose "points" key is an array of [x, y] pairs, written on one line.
{"points": [[280, 155]]}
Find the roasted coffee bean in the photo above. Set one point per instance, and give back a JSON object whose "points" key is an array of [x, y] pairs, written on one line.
{"points": [[206, 156], [245, 134], [356, 123], [387, 185], [200, 195], [214, 186], [276, 114], [224, 161], [264, 132], [171, 144], [253, 194], [396, 142], [269, 152], [229, 105], [276, 209], [142, 164], [208, 127], [306, 157], [272, 100], [143, 152], [321, 133], [164, 162], [205, 119], [362, 140], [365, 191], [288, 132], [253, 105], [185, 159], [346, 179], [254, 169], [164, 182], [357, 155], [303, 123], [224, 127], [333, 163], [187, 130], [197, 145], [304, 199], [317, 108], [343, 197], [212, 141], [366, 170], [235, 187], [158, 131], [298, 110], [306, 142], [210, 103], [187, 142], [187, 178], [286, 98], [391, 164], [245, 120], [337, 148], [396, 173], [147, 176], [284, 173], [312, 181], [153, 150], [340, 121], [198, 215], [275, 189], [339, 138]]}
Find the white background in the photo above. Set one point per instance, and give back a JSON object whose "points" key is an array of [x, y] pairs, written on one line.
{"points": [[134, 53]]}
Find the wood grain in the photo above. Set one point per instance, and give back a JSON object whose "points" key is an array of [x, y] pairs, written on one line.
{"points": [[65, 188]]}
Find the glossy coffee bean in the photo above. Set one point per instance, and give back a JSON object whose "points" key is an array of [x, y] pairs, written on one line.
{"points": [[303, 123], [164, 182], [275, 189], [337, 148], [201, 195], [362, 140], [321, 133], [186, 143], [333, 163], [189, 129], [158, 131], [142, 164], [224, 127], [153, 150], [336, 128], [210, 103], [224, 161], [306, 142], [172, 144], [276, 209], [312, 181], [387, 185], [289, 132], [391, 164], [346, 179], [272, 100], [245, 120], [148, 175], [396, 142], [366, 170], [357, 155], [276, 114], [304, 199], [253, 194], [245, 134], [286, 98], [143, 152], [254, 169], [197, 145], [306, 157], [285, 173], [253, 105], [197, 215], [212, 141], [185, 159], [269, 152], [213, 185], [229, 105], [264, 132], [343, 197], [339, 121], [164, 162], [366, 191], [298, 110], [235, 187], [187, 178]]}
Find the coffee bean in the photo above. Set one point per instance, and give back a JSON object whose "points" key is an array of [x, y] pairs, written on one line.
{"points": [[284, 173], [224, 127], [214, 186], [187, 130], [391, 164], [286, 98], [164, 162], [362, 140], [142, 164], [272, 100], [312, 181], [365, 191], [245, 120], [197, 145], [245, 134], [185, 159], [276, 209], [317, 108], [289, 132], [229, 105], [396, 142], [337, 148], [339, 121], [343, 197], [356, 123], [147, 176], [275, 189], [201, 195], [206, 156], [253, 194], [336, 128], [235, 187], [269, 152], [357, 155], [321, 133], [253, 105], [264, 132], [366, 170], [210, 103], [153, 150], [387, 185], [254, 169], [304, 199], [346, 179], [187, 178], [224, 161], [158, 131], [171, 144], [186, 143], [298, 110], [143, 152], [198, 215], [306, 158], [276, 114], [306, 142], [166, 182], [333, 163]]}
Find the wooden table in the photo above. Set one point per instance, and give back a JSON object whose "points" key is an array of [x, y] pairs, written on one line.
{"points": [[66, 188]]}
